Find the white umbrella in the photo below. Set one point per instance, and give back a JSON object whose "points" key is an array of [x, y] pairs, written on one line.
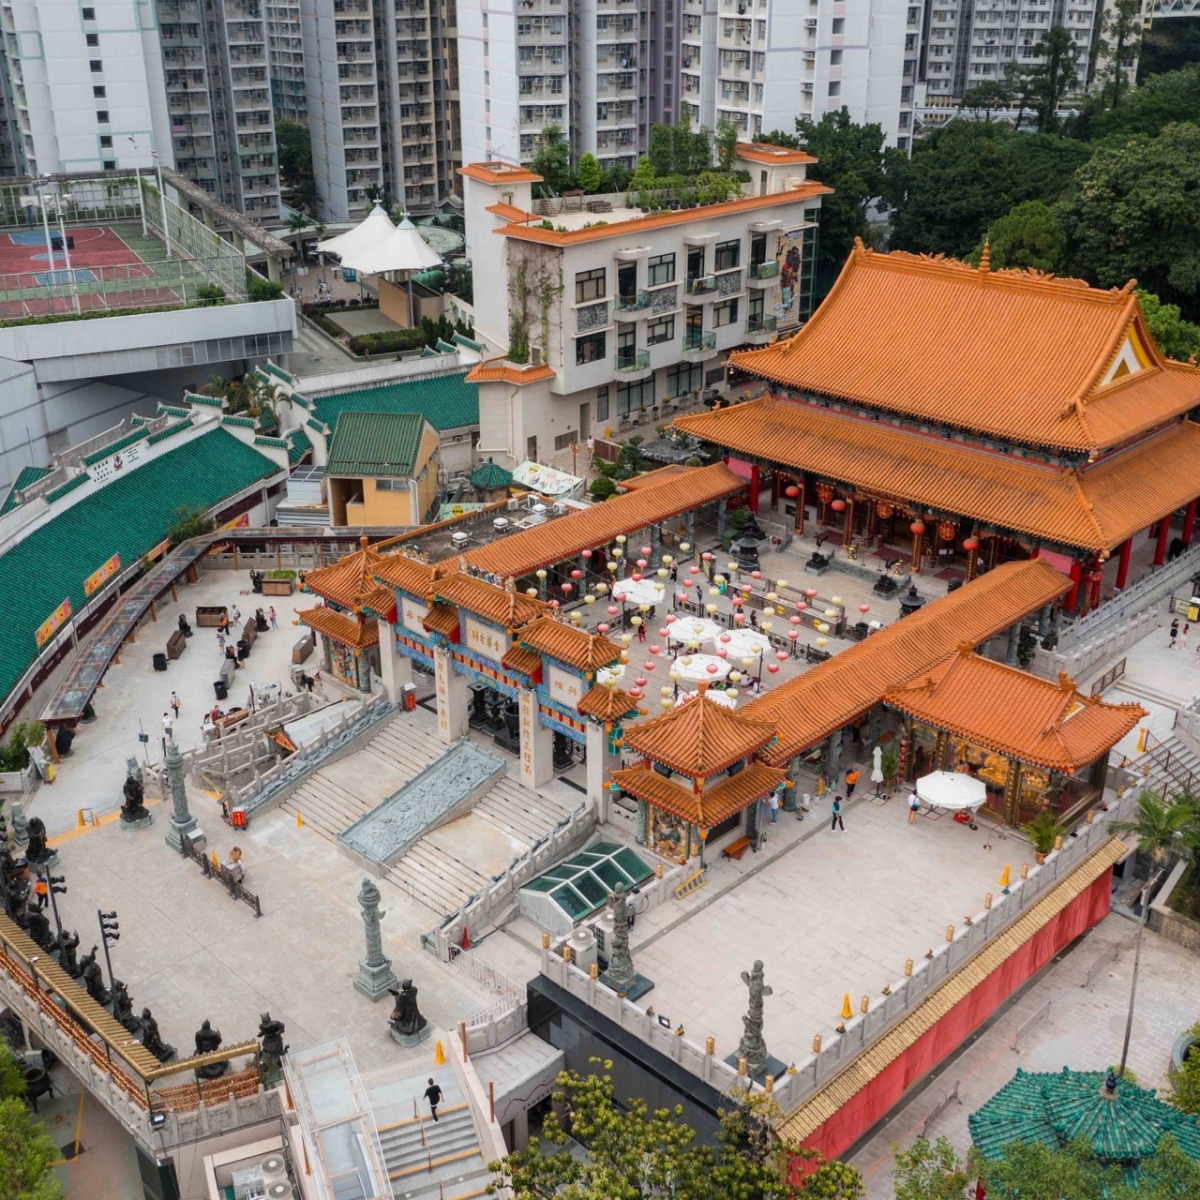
{"points": [[715, 695], [745, 643], [638, 591], [372, 231], [403, 249], [613, 674], [691, 631], [951, 790], [695, 667]]}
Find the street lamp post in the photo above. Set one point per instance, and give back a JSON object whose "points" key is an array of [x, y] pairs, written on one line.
{"points": [[55, 887], [1137, 957], [108, 934]]}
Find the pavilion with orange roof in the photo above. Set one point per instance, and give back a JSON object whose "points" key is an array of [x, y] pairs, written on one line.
{"points": [[1020, 415]]}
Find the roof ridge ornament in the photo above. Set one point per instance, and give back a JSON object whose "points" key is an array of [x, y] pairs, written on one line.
{"points": [[985, 260]]}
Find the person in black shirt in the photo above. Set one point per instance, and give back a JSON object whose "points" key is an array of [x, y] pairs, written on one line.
{"points": [[433, 1094]]}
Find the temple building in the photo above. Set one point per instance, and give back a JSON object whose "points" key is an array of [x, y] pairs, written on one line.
{"points": [[1019, 416]]}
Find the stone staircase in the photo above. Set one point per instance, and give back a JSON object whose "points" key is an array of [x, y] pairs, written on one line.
{"points": [[435, 1160], [433, 874]]}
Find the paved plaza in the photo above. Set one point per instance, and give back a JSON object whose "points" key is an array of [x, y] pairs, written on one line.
{"points": [[1082, 1028]]}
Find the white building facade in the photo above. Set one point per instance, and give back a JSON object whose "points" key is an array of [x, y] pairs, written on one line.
{"points": [[619, 316]]}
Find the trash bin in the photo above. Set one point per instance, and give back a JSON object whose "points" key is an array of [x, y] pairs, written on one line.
{"points": [[160, 661], [408, 697], [221, 689]]}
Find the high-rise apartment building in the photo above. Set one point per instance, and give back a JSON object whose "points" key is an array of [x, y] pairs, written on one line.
{"points": [[106, 86], [285, 53]]}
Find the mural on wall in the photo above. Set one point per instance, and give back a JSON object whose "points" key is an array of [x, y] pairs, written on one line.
{"points": [[787, 294]]}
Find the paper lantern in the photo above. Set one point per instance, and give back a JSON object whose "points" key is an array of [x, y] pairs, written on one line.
{"points": [[831, 612], [836, 600], [666, 703], [773, 668], [636, 693], [585, 554], [810, 592], [782, 655], [693, 569], [641, 681], [712, 608], [649, 666], [531, 591], [612, 566], [621, 539], [791, 491], [822, 642], [540, 572], [627, 638], [646, 551], [617, 552], [707, 556], [602, 588], [971, 544], [643, 563], [574, 618], [732, 566], [662, 572], [735, 676], [671, 618], [712, 668], [654, 649], [917, 527], [566, 589], [603, 627], [685, 547], [740, 618], [754, 575], [839, 505], [553, 603], [613, 610], [793, 634], [685, 583], [732, 693], [635, 621], [666, 690], [801, 605], [667, 560]]}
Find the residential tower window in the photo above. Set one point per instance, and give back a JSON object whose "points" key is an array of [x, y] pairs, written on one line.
{"points": [[660, 269], [725, 314], [589, 285], [590, 349], [728, 255], [662, 330]]}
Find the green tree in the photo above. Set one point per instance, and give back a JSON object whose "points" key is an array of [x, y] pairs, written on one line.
{"points": [[1163, 830], [1176, 337], [985, 98], [26, 1153], [1156, 103], [1185, 1085], [1029, 235], [929, 1171], [726, 143], [293, 145], [189, 522], [661, 149], [1058, 75], [1168, 1174], [1022, 81], [589, 173], [967, 175], [1134, 214], [1032, 1171], [258, 288], [602, 488], [553, 160], [1118, 44]]}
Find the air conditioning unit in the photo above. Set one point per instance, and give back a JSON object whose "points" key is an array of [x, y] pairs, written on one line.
{"points": [[273, 1167], [459, 539], [279, 1190], [514, 504]]}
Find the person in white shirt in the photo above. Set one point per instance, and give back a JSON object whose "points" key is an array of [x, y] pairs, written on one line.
{"points": [[168, 725], [914, 805]]}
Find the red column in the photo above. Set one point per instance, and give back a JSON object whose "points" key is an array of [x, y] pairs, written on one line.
{"points": [[1160, 549], [774, 491], [754, 486], [800, 507], [1124, 552], [1189, 522], [1073, 595]]}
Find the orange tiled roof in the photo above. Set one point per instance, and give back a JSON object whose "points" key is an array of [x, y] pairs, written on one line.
{"points": [[500, 172], [497, 369], [561, 539], [1096, 506], [524, 662], [1005, 353], [509, 610], [348, 631], [700, 738], [1048, 724], [576, 647], [510, 212], [408, 574], [713, 804], [654, 478], [830, 695], [682, 216], [350, 582], [443, 619], [764, 152], [606, 703]]}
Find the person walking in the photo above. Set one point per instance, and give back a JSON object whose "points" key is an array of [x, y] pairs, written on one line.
{"points": [[168, 726], [221, 642], [1174, 634], [1186, 630], [836, 823], [914, 805], [41, 893], [851, 781], [175, 705], [773, 801], [641, 631], [271, 617], [236, 616], [433, 1094]]}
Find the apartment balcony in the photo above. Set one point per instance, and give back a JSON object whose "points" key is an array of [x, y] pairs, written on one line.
{"points": [[701, 285], [629, 362], [634, 302], [760, 329], [763, 270], [697, 342]]}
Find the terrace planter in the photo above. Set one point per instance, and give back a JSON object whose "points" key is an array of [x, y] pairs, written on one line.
{"points": [[278, 587]]}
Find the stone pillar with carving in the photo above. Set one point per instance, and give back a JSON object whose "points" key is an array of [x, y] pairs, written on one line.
{"points": [[620, 974], [182, 823], [643, 823], [599, 763], [537, 742], [395, 670], [453, 698], [833, 760], [1014, 644], [790, 797], [375, 974], [722, 517], [753, 1047]]}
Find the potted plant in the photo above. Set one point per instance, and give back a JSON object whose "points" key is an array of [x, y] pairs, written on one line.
{"points": [[1043, 831], [889, 764], [279, 583]]}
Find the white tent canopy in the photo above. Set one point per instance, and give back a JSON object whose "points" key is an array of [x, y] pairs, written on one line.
{"points": [[695, 667], [952, 790], [403, 249], [745, 643], [374, 229], [691, 631], [638, 591]]}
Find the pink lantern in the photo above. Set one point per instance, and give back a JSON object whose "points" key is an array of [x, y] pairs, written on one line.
{"points": [[773, 668], [636, 577], [793, 634], [647, 551], [641, 681], [707, 556], [695, 570], [739, 617], [577, 574], [810, 592], [553, 603], [725, 637], [603, 627], [801, 605], [654, 649], [755, 574], [662, 633], [781, 655], [864, 608], [642, 564], [650, 666], [712, 668], [636, 693], [839, 505], [722, 652], [685, 583], [794, 621], [613, 610], [566, 589], [748, 588], [585, 554], [671, 618]]}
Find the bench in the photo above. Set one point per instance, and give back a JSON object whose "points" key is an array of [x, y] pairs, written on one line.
{"points": [[599, 206], [210, 614], [250, 632], [304, 647], [736, 849]]}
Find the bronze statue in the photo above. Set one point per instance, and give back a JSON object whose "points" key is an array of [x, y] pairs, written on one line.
{"points": [[37, 851], [208, 1039], [122, 1007], [271, 1033], [151, 1039], [68, 943], [39, 929], [406, 1017], [93, 977], [134, 808]]}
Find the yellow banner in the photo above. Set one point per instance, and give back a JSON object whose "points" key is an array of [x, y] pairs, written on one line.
{"points": [[59, 617], [157, 552], [97, 579]]}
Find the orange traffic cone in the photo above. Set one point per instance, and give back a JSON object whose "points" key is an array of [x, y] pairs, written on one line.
{"points": [[299, 821], [439, 1055], [847, 1011]]}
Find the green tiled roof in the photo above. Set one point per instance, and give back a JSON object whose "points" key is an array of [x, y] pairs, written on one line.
{"points": [[127, 516], [211, 401], [372, 443], [243, 422], [462, 340], [171, 410], [171, 430], [1056, 1109], [99, 455], [303, 401], [446, 401], [488, 475], [277, 371], [298, 445], [27, 478], [319, 426], [274, 442], [71, 484]]}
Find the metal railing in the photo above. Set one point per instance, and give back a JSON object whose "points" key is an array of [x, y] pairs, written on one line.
{"points": [[1108, 678], [636, 360], [693, 341], [760, 325], [219, 872], [1163, 761], [764, 270], [633, 302]]}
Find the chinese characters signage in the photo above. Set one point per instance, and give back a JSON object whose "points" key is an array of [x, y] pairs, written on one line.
{"points": [[412, 613], [564, 688], [441, 674], [527, 703], [97, 579], [55, 621], [485, 641]]}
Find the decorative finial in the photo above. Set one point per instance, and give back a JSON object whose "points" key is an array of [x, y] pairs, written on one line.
{"points": [[985, 259]]}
